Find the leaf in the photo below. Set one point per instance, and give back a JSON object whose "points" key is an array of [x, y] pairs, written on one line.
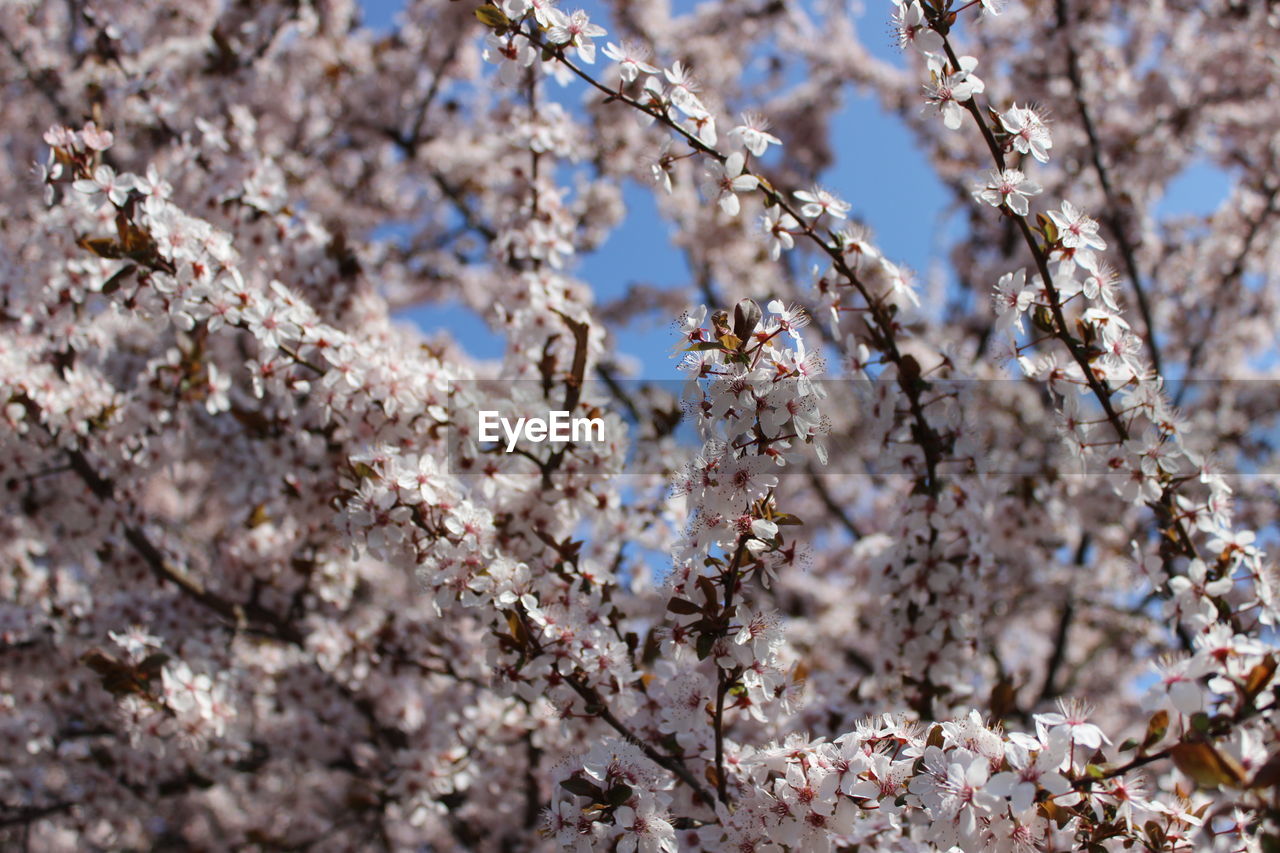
{"points": [[909, 368], [1004, 698], [103, 247], [1259, 677], [683, 607], [707, 588], [712, 776], [704, 346], [1042, 317], [492, 17], [618, 794], [112, 284], [746, 316], [1268, 775], [118, 678], [1157, 726], [258, 516], [1047, 228], [1208, 767], [1056, 813], [516, 627], [364, 471], [152, 664], [583, 788]]}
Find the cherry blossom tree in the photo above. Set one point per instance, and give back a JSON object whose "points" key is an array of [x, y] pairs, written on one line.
{"points": [[974, 560]]}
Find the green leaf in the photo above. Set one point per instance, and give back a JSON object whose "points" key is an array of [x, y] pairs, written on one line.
{"points": [[730, 341], [1047, 228], [493, 17]]}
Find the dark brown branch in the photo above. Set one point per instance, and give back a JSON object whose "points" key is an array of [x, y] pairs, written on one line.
{"points": [[1049, 688], [1112, 216], [165, 571], [833, 507]]}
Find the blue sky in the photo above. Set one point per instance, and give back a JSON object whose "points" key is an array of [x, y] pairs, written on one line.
{"points": [[875, 148]]}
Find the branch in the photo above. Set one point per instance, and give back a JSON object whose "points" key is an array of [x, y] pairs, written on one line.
{"points": [[164, 570], [725, 680], [824, 494], [1059, 654], [597, 707], [1233, 275], [1112, 216], [882, 323]]}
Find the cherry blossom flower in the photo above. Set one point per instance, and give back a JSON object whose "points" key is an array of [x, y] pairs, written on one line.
{"points": [[913, 29], [1009, 188], [754, 134], [644, 832], [947, 91], [1011, 298], [574, 30], [818, 201], [1028, 133], [261, 576], [1032, 769], [631, 58], [1076, 230], [779, 225], [684, 91], [95, 138], [725, 180], [1072, 719], [105, 187]]}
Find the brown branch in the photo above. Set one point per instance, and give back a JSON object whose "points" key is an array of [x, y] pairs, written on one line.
{"points": [[1112, 216], [1058, 656], [829, 501], [726, 679], [882, 324], [165, 571], [597, 707], [1216, 303], [1074, 346]]}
